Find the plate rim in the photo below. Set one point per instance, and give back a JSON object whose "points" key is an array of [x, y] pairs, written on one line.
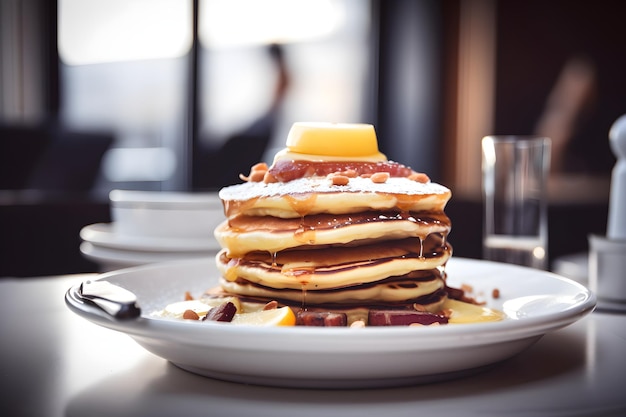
{"points": [[134, 258], [103, 234]]}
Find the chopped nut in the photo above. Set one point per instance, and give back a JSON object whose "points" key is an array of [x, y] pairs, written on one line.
{"points": [[419, 177], [380, 177], [495, 293], [190, 315], [339, 179], [271, 305], [257, 176], [269, 178], [467, 288], [350, 173], [214, 292], [261, 166], [257, 173], [188, 296], [419, 307]]}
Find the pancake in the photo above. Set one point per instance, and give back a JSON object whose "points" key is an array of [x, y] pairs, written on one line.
{"points": [[410, 288], [335, 267], [242, 234], [315, 195]]}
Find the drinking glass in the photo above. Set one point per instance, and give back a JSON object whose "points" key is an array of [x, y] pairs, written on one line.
{"points": [[515, 173]]}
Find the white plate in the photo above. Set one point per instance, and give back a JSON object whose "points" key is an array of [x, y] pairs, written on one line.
{"points": [[535, 302], [103, 234], [115, 259], [165, 200], [166, 214]]}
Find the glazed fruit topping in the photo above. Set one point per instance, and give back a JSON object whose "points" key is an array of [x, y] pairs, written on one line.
{"points": [[323, 319], [404, 318], [223, 312], [288, 170]]}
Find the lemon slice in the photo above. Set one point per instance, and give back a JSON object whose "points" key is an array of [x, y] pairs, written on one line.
{"points": [[282, 316]]}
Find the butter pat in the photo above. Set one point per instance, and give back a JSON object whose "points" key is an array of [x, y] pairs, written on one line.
{"points": [[331, 142]]}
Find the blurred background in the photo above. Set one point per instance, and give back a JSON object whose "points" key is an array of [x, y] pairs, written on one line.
{"points": [[183, 95]]}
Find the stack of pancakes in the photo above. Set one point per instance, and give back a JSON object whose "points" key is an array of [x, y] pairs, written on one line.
{"points": [[351, 246]]}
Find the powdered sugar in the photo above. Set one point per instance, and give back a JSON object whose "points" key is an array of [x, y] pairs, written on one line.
{"points": [[394, 185]]}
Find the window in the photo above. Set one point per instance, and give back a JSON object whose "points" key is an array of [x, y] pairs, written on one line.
{"points": [[126, 67]]}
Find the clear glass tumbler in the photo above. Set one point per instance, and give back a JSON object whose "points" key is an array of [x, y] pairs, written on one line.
{"points": [[515, 175]]}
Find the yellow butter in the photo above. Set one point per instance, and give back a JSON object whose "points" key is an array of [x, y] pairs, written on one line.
{"points": [[348, 140]]}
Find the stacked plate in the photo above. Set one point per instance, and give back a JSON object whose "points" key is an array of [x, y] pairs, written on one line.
{"points": [[153, 227]]}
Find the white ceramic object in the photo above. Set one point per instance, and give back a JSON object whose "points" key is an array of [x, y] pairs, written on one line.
{"points": [[104, 235], [574, 266], [535, 302], [112, 259], [165, 214], [607, 255], [607, 268], [616, 227]]}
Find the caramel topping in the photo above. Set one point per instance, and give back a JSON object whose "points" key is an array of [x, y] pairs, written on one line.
{"points": [[321, 222], [301, 203]]}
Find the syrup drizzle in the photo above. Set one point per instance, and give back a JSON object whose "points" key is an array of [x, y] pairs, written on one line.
{"points": [[302, 203], [305, 233], [421, 252], [304, 307]]}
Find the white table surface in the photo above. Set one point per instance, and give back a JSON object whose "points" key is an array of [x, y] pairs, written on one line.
{"points": [[55, 363]]}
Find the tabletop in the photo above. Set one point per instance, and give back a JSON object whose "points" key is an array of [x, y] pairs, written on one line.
{"points": [[55, 363]]}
